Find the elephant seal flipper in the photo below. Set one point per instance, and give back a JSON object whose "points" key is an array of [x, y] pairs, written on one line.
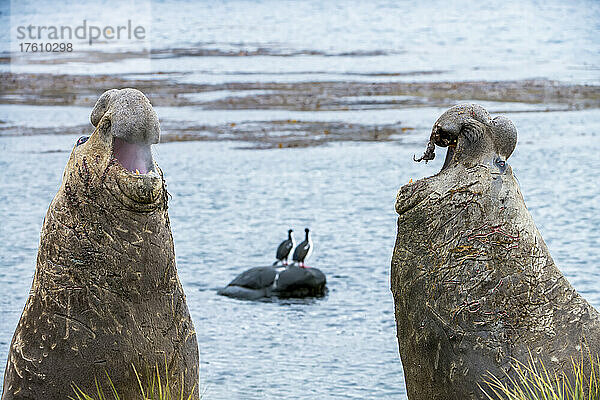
{"points": [[106, 296], [474, 284]]}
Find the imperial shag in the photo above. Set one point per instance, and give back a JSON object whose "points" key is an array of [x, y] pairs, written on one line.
{"points": [[284, 249], [304, 250]]}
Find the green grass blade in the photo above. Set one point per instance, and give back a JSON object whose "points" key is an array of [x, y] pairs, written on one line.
{"points": [[137, 376], [112, 386]]}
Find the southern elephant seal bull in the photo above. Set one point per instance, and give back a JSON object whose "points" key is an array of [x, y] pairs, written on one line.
{"points": [[105, 297], [474, 284]]}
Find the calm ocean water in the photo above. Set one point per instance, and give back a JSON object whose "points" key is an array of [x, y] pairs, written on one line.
{"points": [[223, 197], [342, 346], [448, 40]]}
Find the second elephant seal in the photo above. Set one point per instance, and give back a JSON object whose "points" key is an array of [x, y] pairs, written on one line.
{"points": [[474, 284]]}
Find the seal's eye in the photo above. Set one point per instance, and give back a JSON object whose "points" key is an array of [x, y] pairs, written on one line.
{"points": [[82, 140], [501, 164]]}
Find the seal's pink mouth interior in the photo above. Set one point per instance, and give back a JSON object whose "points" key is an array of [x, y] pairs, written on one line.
{"points": [[135, 157]]}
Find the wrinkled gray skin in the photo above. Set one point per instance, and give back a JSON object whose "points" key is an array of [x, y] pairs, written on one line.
{"points": [[133, 118], [105, 295], [473, 281]]}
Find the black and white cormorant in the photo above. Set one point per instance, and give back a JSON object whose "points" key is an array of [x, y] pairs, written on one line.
{"points": [[304, 249], [284, 249]]}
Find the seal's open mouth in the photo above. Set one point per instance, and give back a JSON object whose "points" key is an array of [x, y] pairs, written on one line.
{"points": [[459, 129], [447, 139], [138, 177], [134, 157], [442, 138]]}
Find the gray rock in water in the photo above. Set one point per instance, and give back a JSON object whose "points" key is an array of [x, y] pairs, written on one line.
{"points": [[284, 282], [474, 284], [106, 295]]}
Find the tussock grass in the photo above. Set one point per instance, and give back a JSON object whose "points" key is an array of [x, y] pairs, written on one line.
{"points": [[532, 381], [155, 388]]}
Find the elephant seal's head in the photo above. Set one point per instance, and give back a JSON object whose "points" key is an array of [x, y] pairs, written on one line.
{"points": [[117, 157], [472, 137], [474, 285]]}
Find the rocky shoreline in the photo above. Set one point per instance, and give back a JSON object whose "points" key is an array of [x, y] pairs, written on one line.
{"points": [[170, 90]]}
